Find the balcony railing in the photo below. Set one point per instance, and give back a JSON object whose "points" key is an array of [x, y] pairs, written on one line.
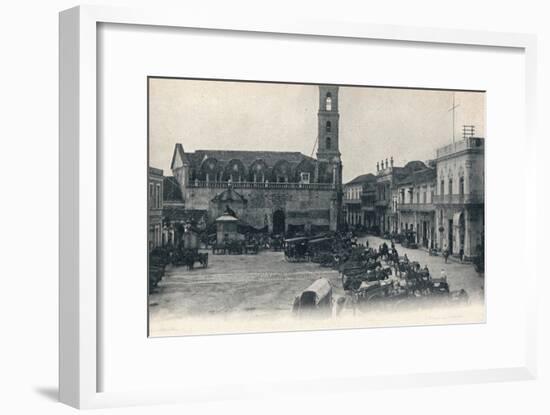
{"points": [[418, 207], [466, 144], [258, 185], [471, 198], [352, 201]]}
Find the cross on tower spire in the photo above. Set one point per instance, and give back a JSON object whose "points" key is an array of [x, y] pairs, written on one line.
{"points": [[455, 106]]}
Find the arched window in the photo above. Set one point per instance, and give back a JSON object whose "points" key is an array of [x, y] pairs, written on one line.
{"points": [[328, 102], [450, 186], [442, 190], [327, 143], [328, 127], [461, 186]]}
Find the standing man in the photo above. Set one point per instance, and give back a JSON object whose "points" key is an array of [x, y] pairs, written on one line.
{"points": [[445, 253]]}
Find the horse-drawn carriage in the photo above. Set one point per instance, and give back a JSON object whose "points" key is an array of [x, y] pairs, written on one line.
{"points": [[251, 247], [187, 253], [296, 249], [353, 274], [320, 250], [373, 292], [408, 240], [315, 300], [188, 257], [369, 282]]}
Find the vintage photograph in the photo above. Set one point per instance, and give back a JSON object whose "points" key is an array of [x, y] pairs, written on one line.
{"points": [[281, 206]]}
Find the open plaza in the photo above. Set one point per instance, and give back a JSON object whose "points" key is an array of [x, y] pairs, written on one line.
{"points": [[237, 293]]}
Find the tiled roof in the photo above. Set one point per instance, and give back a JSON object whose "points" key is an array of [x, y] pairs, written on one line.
{"points": [[364, 178], [416, 176], [247, 157], [415, 165]]}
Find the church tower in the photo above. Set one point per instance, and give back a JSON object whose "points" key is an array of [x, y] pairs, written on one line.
{"points": [[328, 146], [328, 118]]}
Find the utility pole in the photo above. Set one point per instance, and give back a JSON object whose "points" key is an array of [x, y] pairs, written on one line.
{"points": [[453, 110]]}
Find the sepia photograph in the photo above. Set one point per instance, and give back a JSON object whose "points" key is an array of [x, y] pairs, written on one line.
{"points": [[285, 206]]}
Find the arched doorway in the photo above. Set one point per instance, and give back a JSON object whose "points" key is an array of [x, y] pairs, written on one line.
{"points": [[278, 222]]}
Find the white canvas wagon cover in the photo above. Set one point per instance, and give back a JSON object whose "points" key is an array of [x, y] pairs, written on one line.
{"points": [[320, 287]]}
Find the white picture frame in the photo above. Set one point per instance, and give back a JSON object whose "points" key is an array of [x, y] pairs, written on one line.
{"points": [[79, 164]]}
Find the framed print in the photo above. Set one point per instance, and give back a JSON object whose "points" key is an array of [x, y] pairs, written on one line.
{"points": [[232, 191], [282, 240]]}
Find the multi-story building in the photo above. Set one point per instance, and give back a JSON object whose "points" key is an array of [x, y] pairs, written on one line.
{"points": [[459, 201], [358, 195], [387, 177], [384, 197], [441, 201], [175, 216], [415, 208], [283, 191], [155, 191]]}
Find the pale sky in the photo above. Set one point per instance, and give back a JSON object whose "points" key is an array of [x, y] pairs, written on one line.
{"points": [[375, 123]]}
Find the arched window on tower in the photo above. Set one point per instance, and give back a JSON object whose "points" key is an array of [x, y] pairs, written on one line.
{"points": [[327, 143], [328, 102], [328, 127]]}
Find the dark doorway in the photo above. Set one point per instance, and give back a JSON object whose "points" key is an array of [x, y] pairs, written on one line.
{"points": [[451, 236], [278, 222], [461, 233], [425, 234]]}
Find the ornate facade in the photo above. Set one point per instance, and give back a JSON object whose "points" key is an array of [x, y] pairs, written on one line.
{"points": [[415, 198], [460, 201], [280, 191], [442, 201]]}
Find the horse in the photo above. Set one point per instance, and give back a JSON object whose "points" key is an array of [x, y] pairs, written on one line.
{"points": [[203, 259]]}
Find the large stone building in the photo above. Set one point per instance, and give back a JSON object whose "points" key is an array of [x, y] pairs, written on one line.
{"points": [[274, 190]]}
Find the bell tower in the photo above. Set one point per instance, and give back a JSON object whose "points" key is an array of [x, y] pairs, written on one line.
{"points": [[328, 119], [328, 146]]}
